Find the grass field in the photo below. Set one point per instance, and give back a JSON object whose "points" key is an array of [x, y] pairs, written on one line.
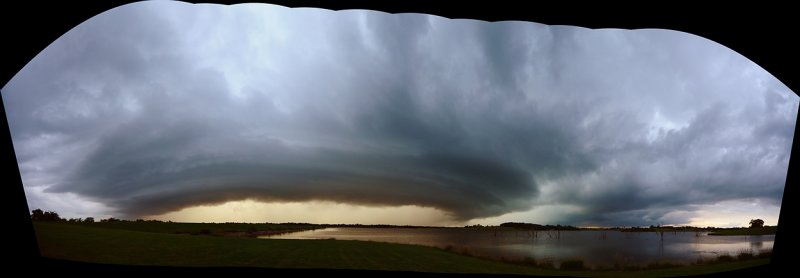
{"points": [[144, 245]]}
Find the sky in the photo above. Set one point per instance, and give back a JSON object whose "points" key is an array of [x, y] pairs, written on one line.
{"points": [[257, 112]]}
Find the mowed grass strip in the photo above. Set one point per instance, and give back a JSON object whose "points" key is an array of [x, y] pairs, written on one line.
{"points": [[115, 246]]}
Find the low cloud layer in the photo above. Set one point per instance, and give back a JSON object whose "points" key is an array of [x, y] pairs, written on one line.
{"points": [[156, 106]]}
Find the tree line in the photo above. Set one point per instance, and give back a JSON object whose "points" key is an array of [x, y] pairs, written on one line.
{"points": [[532, 226], [52, 216]]}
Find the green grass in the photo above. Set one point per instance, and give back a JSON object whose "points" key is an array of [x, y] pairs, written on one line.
{"points": [[115, 245], [769, 230]]}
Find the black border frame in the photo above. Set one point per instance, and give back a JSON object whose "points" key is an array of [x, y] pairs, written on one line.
{"points": [[761, 33]]}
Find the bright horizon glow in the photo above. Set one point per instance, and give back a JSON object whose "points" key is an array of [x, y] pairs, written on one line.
{"points": [[315, 212]]}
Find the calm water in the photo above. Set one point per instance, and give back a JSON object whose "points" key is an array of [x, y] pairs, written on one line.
{"points": [[593, 247]]}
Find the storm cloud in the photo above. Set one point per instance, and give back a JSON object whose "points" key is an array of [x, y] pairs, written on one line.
{"points": [[156, 106]]}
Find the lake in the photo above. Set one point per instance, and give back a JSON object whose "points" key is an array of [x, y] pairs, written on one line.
{"points": [[593, 247]]}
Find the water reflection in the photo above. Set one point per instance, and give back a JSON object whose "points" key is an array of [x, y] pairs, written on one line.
{"points": [[593, 247], [756, 242]]}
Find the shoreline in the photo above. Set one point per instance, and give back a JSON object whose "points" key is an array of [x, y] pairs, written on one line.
{"points": [[262, 232]]}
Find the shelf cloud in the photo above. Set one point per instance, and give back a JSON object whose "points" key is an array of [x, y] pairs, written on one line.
{"points": [[153, 107]]}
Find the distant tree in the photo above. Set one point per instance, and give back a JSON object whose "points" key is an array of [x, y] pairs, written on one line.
{"points": [[110, 219], [51, 216], [37, 215], [756, 223], [88, 220]]}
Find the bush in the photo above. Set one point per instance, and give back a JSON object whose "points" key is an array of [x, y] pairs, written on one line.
{"points": [[660, 265], [725, 258], [546, 264], [632, 267], [745, 256], [572, 265], [528, 261]]}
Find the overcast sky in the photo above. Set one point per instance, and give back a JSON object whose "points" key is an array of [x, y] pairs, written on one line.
{"points": [[155, 108]]}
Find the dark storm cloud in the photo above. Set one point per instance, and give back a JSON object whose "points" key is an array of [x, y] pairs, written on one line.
{"points": [[152, 107]]}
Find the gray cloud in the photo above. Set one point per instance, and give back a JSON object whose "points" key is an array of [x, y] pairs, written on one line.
{"points": [[152, 107]]}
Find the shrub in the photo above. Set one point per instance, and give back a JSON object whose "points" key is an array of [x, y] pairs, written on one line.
{"points": [[660, 265], [572, 265], [725, 258], [528, 261], [632, 267], [547, 264], [745, 256]]}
